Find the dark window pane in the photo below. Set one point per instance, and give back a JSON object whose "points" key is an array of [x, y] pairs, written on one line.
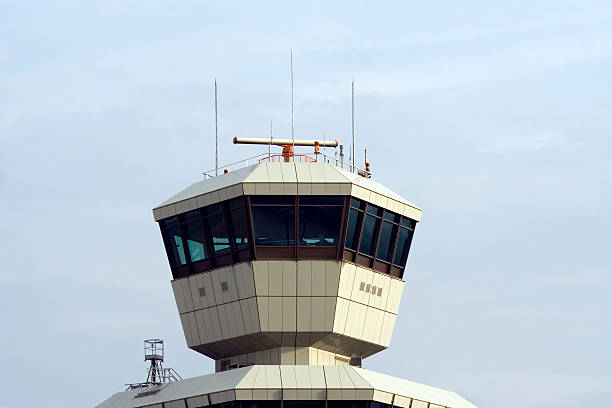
{"points": [[407, 222], [236, 202], [320, 226], [173, 241], [391, 216], [357, 203], [274, 225], [353, 228], [368, 237], [385, 243], [403, 246], [239, 222], [321, 200], [272, 200], [372, 209], [218, 231], [213, 209], [194, 232]]}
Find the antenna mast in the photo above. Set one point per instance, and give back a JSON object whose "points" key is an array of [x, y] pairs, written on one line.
{"points": [[216, 134], [292, 110], [353, 122]]}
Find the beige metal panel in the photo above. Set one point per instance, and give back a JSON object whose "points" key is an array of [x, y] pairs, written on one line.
{"points": [[332, 189], [355, 320], [435, 406], [318, 278], [361, 285], [265, 356], [275, 313], [348, 387], [304, 188], [275, 278], [303, 173], [192, 328], [249, 314], [317, 173], [244, 394], [244, 280], [347, 276], [288, 172], [212, 323], [396, 287], [157, 214], [412, 212], [208, 199], [303, 394], [304, 278], [334, 176], [381, 396], [263, 312], [317, 377], [332, 277], [316, 313], [332, 377], [402, 401], [237, 319], [317, 189], [260, 273], [202, 332], [277, 189], [231, 192], [334, 394], [373, 324], [223, 396], [419, 404], [289, 314], [258, 175], [301, 358], [290, 189], [224, 275], [345, 189], [186, 205], [196, 402], [195, 292], [275, 394], [358, 381], [175, 404], [171, 210], [364, 395], [224, 321], [248, 188], [312, 356], [342, 306], [289, 278], [290, 394], [382, 282], [262, 188], [387, 329], [330, 312], [187, 295], [287, 357], [303, 314], [186, 329], [318, 394], [275, 173], [179, 297]]}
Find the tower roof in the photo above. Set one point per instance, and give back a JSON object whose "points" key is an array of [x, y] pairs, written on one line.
{"points": [[296, 383], [285, 179]]}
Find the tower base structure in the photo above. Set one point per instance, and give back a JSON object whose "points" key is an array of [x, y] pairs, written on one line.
{"points": [[289, 386]]}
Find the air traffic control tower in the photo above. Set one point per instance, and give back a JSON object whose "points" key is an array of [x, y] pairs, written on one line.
{"points": [[288, 273]]}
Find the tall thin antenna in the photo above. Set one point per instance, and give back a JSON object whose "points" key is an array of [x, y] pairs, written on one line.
{"points": [[292, 110], [216, 133], [270, 144], [353, 121]]}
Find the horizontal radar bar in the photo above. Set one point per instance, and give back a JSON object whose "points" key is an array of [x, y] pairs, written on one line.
{"points": [[284, 142]]}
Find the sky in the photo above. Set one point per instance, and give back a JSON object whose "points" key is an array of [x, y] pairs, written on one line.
{"points": [[493, 117]]}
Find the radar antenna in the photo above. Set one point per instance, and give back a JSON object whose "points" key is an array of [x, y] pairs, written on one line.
{"points": [[156, 373]]}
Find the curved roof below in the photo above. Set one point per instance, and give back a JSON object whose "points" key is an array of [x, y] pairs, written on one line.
{"points": [[269, 382]]}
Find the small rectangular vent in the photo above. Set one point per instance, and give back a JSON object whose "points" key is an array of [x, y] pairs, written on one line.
{"points": [[224, 286], [379, 292], [368, 287], [202, 292], [361, 286], [373, 290]]}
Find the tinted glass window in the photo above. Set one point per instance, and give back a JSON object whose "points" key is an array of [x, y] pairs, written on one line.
{"points": [[370, 227], [385, 243], [274, 225], [173, 241], [321, 200], [218, 231], [372, 209], [239, 222], [319, 226], [407, 222], [273, 200], [194, 234], [357, 203], [353, 228], [403, 245], [393, 217]]}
